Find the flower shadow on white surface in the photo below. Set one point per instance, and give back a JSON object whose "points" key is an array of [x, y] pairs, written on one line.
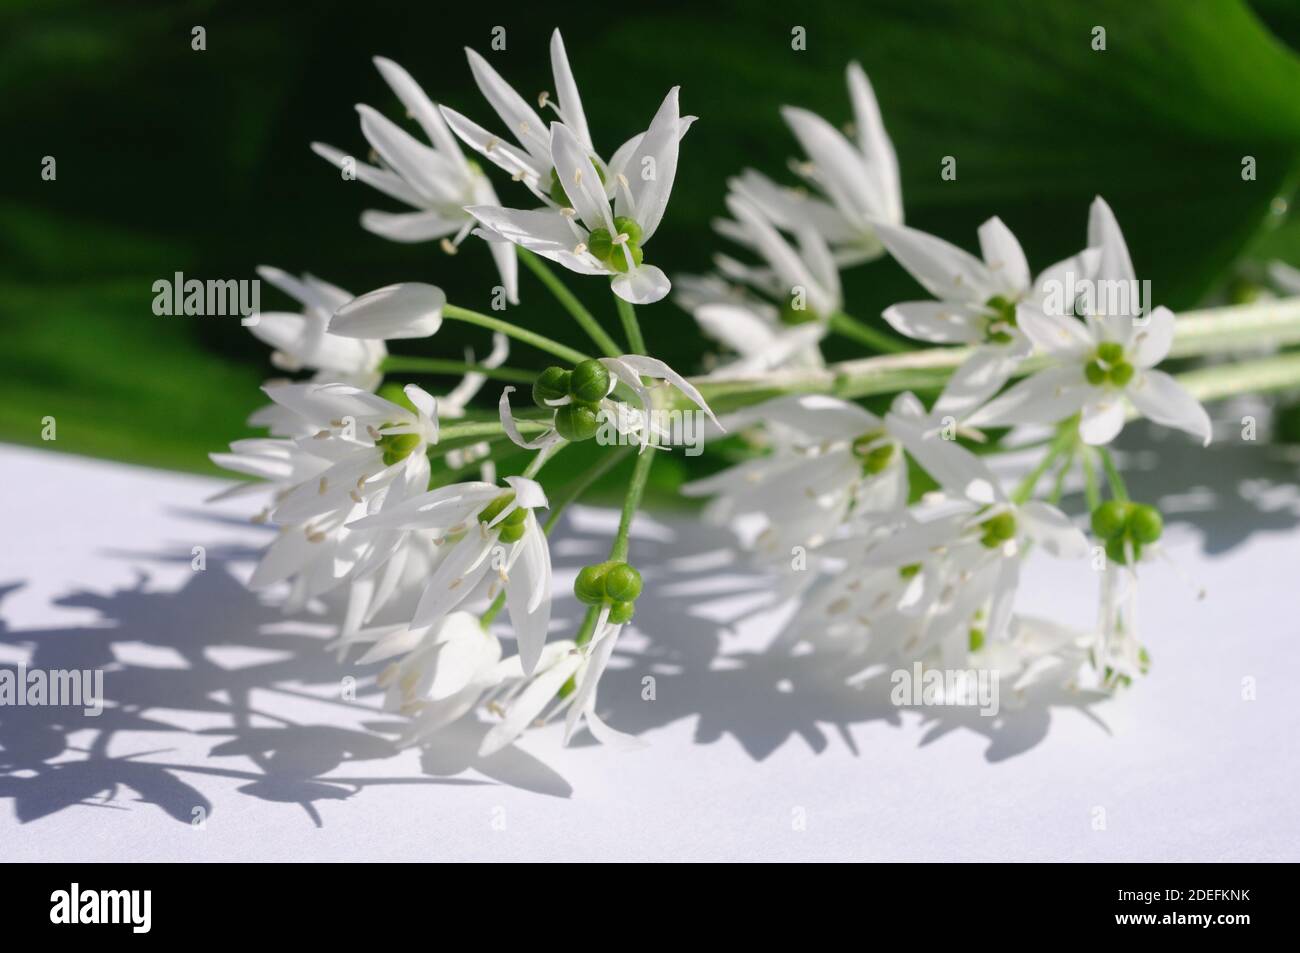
{"points": [[206, 661]]}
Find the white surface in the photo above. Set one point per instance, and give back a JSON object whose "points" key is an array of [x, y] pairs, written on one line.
{"points": [[218, 700]]}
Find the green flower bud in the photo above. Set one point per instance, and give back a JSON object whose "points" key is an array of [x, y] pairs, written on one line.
{"points": [[1110, 351], [576, 422], [618, 261], [1095, 373], [600, 243], [622, 583], [551, 384], [1001, 527], [794, 317], [396, 447], [589, 586], [1109, 518], [511, 532], [621, 612], [495, 508], [1145, 523], [1117, 552], [629, 227], [976, 639], [1003, 308], [517, 516], [908, 571], [878, 458], [1121, 373], [589, 382]]}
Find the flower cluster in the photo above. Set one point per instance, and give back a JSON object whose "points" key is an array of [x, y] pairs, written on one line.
{"points": [[909, 546]]}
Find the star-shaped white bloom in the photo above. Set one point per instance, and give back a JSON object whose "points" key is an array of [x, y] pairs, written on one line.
{"points": [[586, 235], [857, 179], [436, 179], [979, 303], [1103, 363], [486, 529], [831, 458], [749, 327]]}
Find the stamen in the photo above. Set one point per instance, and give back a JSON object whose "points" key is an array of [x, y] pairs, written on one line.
{"points": [[324, 485], [447, 246]]}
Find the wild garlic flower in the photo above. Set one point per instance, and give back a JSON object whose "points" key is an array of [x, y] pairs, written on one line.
{"points": [[832, 459], [435, 179], [856, 178], [584, 233], [749, 327], [979, 303], [1104, 363], [488, 531]]}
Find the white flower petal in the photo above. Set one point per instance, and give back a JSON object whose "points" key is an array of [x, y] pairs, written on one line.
{"points": [[645, 284], [410, 226], [529, 704], [1004, 257], [939, 322], [1159, 397], [407, 310], [1152, 339], [946, 271], [1047, 397], [1102, 419], [543, 231], [652, 167], [517, 115], [528, 594], [1052, 529], [566, 92]]}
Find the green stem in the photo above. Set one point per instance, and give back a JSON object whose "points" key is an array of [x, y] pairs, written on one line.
{"points": [[1117, 488], [488, 428], [1058, 487], [539, 341], [433, 365], [631, 501], [1090, 488], [1026, 488], [569, 302], [850, 327], [588, 627], [631, 327], [1217, 331]]}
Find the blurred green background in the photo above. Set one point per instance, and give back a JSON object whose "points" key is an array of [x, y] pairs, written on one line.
{"points": [[172, 160]]}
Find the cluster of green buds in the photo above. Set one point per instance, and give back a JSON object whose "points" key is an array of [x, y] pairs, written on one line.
{"points": [[998, 529], [1109, 366], [1123, 524], [874, 454], [512, 527], [607, 247], [1003, 321], [616, 584], [585, 386]]}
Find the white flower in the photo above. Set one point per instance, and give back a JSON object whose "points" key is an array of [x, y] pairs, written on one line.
{"points": [[407, 310], [860, 179], [1103, 363], [444, 661], [436, 179], [979, 303], [832, 458], [749, 327], [531, 163], [807, 275], [304, 341], [484, 528], [587, 236]]}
